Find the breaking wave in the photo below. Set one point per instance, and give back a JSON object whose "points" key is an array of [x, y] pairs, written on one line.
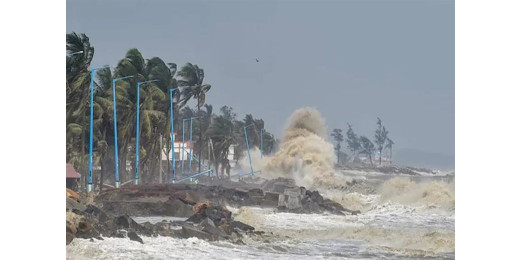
{"points": [[304, 153]]}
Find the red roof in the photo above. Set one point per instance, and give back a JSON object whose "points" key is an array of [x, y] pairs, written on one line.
{"points": [[71, 172]]}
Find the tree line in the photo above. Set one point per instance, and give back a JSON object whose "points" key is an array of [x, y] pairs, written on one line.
{"points": [[213, 133], [362, 145]]}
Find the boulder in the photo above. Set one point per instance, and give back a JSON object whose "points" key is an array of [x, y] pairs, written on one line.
{"points": [[85, 229], [209, 227], [126, 222], [201, 206], [270, 199], [70, 237], [72, 205], [242, 226], [163, 228], [134, 237], [192, 231], [216, 213]]}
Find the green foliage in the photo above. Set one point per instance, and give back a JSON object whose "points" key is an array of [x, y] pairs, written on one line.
{"points": [[380, 138], [367, 147], [154, 106]]}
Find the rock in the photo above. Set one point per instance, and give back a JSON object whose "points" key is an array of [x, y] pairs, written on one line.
{"points": [[256, 193], [85, 229], [72, 194], [242, 226], [127, 222], [71, 227], [72, 204], [201, 206], [163, 229], [209, 227], [191, 231], [96, 212], [119, 234], [149, 227], [70, 237], [133, 236], [270, 199], [216, 213], [291, 199]]}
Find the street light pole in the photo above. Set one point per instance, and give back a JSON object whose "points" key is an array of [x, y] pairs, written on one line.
{"points": [[191, 149], [247, 145], [172, 112], [183, 146], [116, 157], [137, 124], [91, 128]]}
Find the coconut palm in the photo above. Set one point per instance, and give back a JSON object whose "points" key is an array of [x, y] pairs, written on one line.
{"points": [[77, 90], [192, 77]]}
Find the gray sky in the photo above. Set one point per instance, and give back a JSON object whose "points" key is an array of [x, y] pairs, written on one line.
{"points": [[352, 60]]}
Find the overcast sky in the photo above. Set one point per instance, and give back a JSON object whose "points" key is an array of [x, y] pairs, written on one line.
{"points": [[352, 60]]}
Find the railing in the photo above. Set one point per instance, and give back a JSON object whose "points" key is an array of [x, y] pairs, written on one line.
{"points": [[245, 173], [196, 175]]}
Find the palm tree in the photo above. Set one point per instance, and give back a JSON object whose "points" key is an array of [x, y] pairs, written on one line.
{"points": [[192, 77], [222, 133], [389, 144], [77, 90], [153, 116], [367, 147]]}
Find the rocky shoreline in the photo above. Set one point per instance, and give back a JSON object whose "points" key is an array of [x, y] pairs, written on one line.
{"points": [[204, 206]]}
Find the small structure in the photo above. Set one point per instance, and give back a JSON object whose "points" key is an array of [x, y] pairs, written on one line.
{"points": [[72, 177]]}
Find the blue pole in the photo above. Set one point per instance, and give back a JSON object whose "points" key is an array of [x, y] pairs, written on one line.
{"points": [[137, 125], [261, 143], [89, 186], [116, 147], [183, 148], [248, 152], [172, 134], [191, 150], [91, 132], [116, 160]]}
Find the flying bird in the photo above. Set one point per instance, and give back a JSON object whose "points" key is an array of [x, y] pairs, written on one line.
{"points": [[257, 60]]}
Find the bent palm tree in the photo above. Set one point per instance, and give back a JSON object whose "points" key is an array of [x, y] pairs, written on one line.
{"points": [[192, 77]]}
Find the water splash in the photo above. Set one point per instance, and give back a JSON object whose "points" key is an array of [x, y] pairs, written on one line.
{"points": [[304, 153]]}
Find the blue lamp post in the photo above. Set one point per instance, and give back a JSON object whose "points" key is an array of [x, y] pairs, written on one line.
{"points": [[247, 145], [137, 124], [172, 112], [116, 148], [183, 147], [91, 137]]}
